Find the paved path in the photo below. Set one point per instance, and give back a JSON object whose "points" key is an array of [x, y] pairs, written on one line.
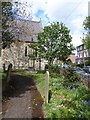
{"points": [[22, 99]]}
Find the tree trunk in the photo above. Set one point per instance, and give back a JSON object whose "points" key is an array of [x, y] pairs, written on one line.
{"points": [[39, 64], [33, 64]]}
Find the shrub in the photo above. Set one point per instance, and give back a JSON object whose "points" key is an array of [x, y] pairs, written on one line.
{"points": [[54, 68], [87, 63], [71, 79], [80, 65]]}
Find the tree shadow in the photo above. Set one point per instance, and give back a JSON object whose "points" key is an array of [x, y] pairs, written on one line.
{"points": [[18, 85]]}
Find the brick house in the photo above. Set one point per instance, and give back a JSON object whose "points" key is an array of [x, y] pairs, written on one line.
{"points": [[82, 54], [72, 57], [19, 53]]}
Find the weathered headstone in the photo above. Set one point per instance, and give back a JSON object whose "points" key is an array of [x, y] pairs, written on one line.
{"points": [[9, 72], [46, 86]]}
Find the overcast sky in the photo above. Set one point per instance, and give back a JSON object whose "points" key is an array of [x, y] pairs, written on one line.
{"points": [[71, 12]]}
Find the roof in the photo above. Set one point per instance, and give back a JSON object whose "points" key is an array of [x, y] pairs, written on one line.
{"points": [[80, 45], [72, 57], [26, 28]]}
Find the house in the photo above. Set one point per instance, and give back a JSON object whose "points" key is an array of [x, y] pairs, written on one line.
{"points": [[72, 57], [83, 54], [19, 53]]}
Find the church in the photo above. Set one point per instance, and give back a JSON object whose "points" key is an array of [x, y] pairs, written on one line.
{"points": [[19, 53]]}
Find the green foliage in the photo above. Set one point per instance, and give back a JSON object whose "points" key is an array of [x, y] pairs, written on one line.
{"points": [[82, 93], [80, 65], [7, 17], [55, 42], [67, 103], [54, 68], [34, 45], [71, 79], [86, 41], [3, 79], [87, 63], [86, 25]]}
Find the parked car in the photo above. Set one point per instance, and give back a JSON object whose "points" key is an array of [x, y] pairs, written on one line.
{"points": [[79, 70], [87, 69], [65, 66]]}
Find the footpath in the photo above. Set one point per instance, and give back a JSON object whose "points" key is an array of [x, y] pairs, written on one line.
{"points": [[22, 99]]}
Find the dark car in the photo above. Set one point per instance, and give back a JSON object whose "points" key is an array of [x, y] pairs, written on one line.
{"points": [[79, 70], [87, 69]]}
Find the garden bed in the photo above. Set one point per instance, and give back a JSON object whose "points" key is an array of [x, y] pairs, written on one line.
{"points": [[3, 81]]}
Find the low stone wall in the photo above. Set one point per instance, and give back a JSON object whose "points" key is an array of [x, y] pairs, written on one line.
{"points": [[86, 79]]}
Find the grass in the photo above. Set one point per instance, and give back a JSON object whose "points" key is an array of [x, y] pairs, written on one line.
{"points": [[2, 79]]}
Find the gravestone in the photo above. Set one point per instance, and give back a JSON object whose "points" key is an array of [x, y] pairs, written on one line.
{"points": [[9, 72], [46, 86]]}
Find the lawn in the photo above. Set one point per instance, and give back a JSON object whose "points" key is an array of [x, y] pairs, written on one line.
{"points": [[0, 77], [65, 102]]}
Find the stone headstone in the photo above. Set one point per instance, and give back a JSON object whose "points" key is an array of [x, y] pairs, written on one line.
{"points": [[9, 72], [46, 86]]}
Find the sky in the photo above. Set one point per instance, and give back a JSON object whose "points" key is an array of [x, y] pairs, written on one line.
{"points": [[71, 12]]}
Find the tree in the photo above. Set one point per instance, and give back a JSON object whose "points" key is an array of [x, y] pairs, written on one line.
{"points": [[7, 16], [86, 39], [86, 23], [54, 42], [10, 13]]}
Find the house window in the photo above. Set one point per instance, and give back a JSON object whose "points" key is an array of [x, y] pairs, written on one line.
{"points": [[77, 48], [84, 47], [32, 39], [85, 54], [89, 53], [25, 51], [80, 47]]}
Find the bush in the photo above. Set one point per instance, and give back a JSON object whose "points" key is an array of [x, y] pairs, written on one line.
{"points": [[54, 68], [80, 65], [87, 63], [41, 71], [71, 79]]}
